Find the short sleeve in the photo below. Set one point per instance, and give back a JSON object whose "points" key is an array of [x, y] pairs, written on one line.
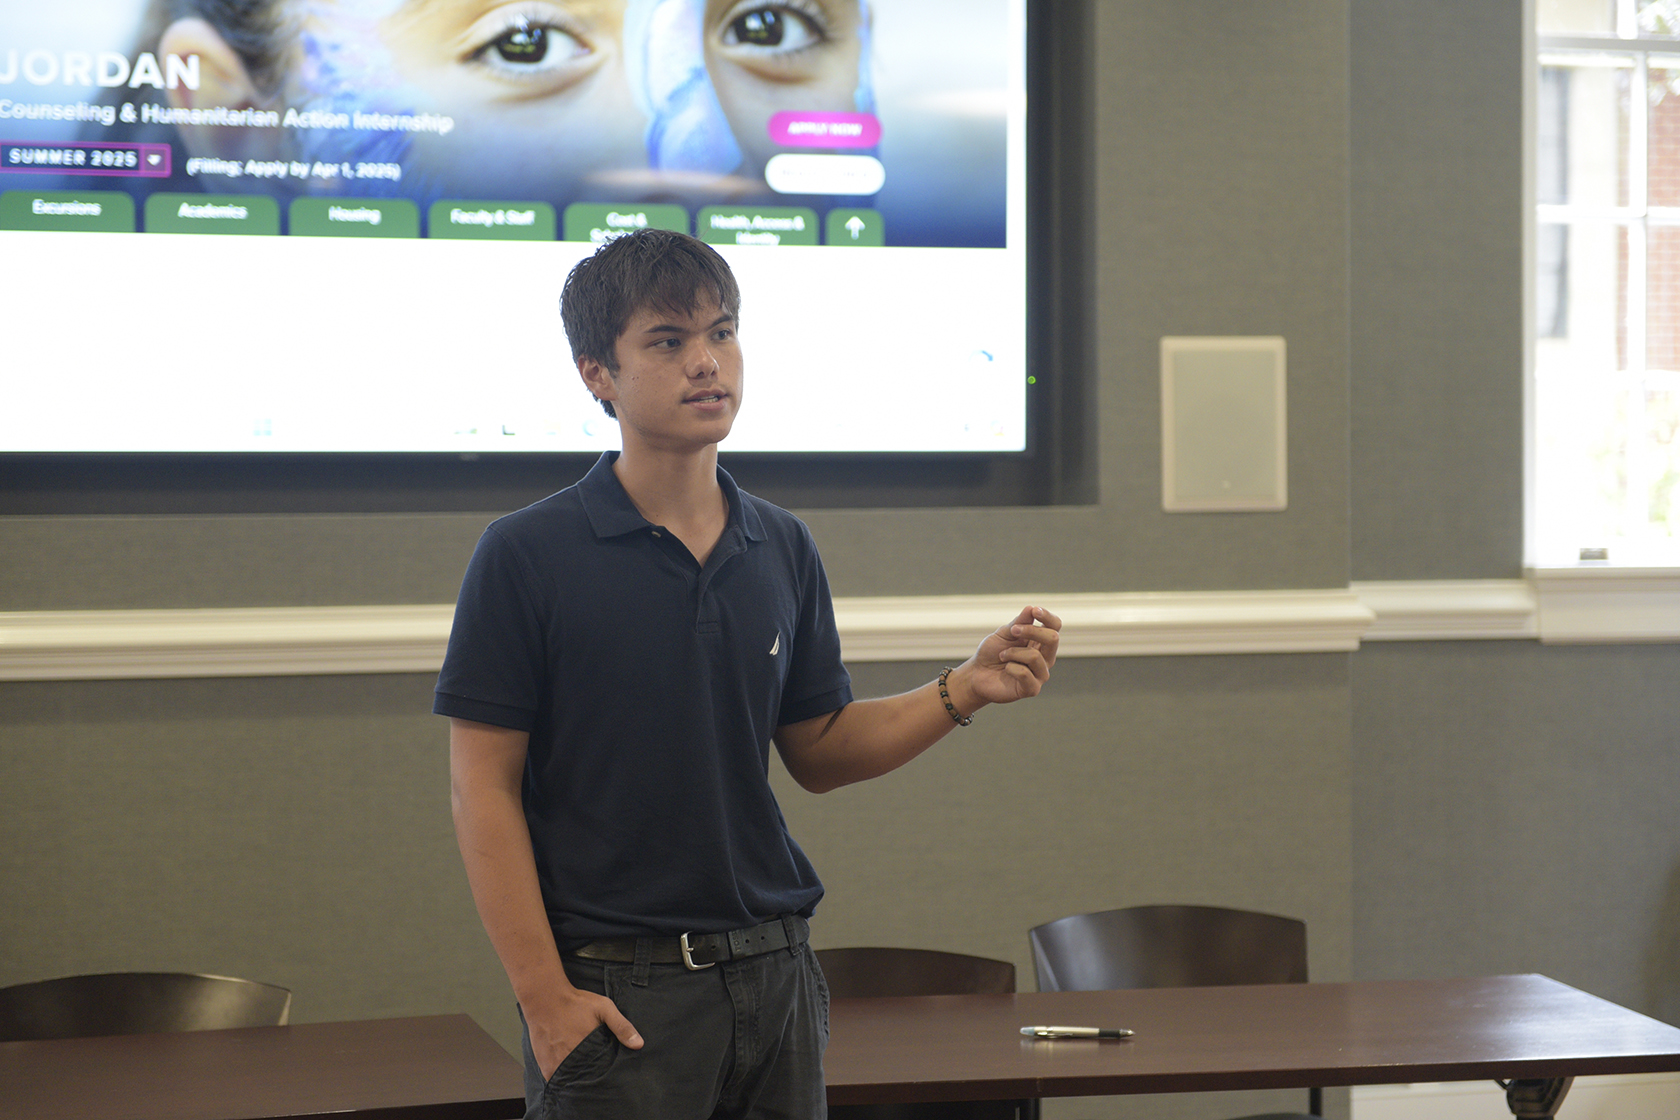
{"points": [[495, 669], [817, 681]]}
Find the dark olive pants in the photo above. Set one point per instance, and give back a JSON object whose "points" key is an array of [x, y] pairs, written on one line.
{"points": [[742, 1039]]}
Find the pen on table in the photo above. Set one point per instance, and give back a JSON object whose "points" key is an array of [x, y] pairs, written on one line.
{"points": [[1075, 1032]]}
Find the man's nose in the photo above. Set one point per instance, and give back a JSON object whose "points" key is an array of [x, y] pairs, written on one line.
{"points": [[704, 362]]}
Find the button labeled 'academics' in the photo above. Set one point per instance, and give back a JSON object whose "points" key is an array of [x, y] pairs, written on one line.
{"points": [[212, 213]]}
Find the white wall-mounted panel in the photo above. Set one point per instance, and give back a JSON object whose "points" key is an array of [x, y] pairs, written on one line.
{"points": [[1224, 424]]}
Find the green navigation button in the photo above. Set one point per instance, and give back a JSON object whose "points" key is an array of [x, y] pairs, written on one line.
{"points": [[95, 211], [598, 222], [758, 225], [854, 227], [491, 221], [212, 213], [354, 217]]}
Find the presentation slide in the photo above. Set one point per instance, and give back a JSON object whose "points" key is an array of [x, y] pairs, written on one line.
{"points": [[343, 225]]}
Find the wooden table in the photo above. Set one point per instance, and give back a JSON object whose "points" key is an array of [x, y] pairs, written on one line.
{"points": [[440, 1067], [1529, 1029]]}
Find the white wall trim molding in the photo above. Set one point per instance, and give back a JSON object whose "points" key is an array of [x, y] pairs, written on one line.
{"points": [[1109, 624], [288, 641], [1449, 610], [232, 642], [1603, 605]]}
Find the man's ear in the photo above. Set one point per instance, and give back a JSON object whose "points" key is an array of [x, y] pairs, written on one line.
{"points": [[597, 378], [223, 81]]}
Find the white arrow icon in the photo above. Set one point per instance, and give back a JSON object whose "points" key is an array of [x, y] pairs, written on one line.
{"points": [[153, 158], [855, 224]]}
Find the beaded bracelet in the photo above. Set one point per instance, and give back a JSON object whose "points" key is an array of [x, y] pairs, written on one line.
{"points": [[961, 721]]}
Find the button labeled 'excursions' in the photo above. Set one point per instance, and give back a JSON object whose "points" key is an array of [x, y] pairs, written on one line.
{"points": [[89, 211]]}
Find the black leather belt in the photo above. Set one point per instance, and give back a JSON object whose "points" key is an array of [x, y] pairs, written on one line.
{"points": [[700, 950]]}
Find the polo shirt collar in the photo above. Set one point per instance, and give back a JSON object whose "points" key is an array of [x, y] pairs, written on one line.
{"points": [[611, 513]]}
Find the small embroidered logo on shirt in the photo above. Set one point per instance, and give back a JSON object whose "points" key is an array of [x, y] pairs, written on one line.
{"points": [[777, 644]]}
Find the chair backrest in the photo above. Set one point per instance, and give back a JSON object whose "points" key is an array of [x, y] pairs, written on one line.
{"points": [[1168, 947], [912, 972], [137, 1003], [876, 972]]}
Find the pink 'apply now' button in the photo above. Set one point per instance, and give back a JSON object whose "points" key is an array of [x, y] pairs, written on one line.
{"points": [[825, 130]]}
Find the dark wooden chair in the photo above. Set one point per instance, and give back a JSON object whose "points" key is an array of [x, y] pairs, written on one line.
{"points": [[876, 972], [137, 1003], [1173, 947], [912, 972]]}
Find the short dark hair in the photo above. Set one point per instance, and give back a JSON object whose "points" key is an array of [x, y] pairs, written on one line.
{"points": [[659, 269]]}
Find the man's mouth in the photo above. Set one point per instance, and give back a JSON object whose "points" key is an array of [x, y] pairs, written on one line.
{"points": [[709, 398]]}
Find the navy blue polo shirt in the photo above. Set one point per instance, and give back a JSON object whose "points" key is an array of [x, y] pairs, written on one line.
{"points": [[650, 686]]}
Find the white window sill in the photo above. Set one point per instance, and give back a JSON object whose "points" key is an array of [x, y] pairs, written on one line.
{"points": [[1600, 603]]}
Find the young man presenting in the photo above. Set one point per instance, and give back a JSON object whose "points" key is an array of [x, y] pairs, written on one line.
{"points": [[623, 655]]}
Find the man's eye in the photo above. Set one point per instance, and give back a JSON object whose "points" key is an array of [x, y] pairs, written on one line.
{"points": [[773, 29]]}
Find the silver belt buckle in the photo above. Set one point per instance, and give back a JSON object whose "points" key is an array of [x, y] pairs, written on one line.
{"points": [[688, 961]]}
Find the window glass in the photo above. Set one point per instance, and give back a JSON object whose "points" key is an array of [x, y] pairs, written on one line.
{"points": [[1607, 281]]}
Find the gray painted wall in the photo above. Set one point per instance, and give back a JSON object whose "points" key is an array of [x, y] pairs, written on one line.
{"points": [[1516, 813], [1436, 321], [1345, 174], [1513, 803]]}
